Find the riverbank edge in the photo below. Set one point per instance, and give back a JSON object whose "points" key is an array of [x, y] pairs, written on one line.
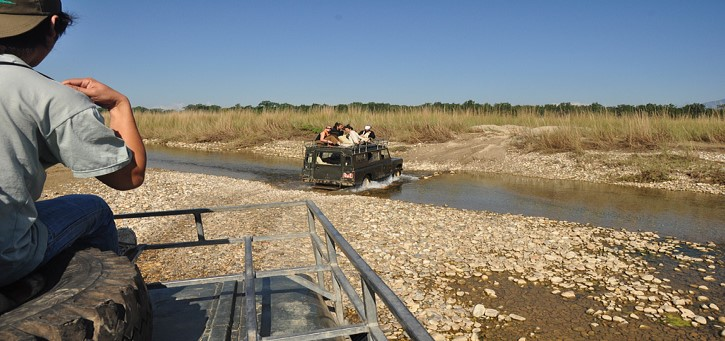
{"points": [[590, 166]]}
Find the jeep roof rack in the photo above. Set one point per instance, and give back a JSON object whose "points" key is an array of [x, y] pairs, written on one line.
{"points": [[364, 147]]}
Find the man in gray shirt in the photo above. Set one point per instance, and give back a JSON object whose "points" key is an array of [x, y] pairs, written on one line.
{"points": [[44, 122]]}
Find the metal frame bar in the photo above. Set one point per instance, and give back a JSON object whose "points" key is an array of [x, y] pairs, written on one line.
{"points": [[250, 313], [325, 254], [363, 147]]}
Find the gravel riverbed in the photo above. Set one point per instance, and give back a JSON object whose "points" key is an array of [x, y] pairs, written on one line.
{"points": [[466, 275]]}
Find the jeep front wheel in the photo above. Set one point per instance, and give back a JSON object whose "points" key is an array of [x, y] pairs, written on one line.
{"points": [[95, 295]]}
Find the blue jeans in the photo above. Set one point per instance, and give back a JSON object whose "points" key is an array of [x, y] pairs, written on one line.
{"points": [[77, 221]]}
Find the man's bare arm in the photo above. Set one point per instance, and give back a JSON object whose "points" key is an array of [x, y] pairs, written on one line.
{"points": [[123, 124]]}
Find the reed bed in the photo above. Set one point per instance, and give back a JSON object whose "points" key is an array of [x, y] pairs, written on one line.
{"points": [[575, 131]]}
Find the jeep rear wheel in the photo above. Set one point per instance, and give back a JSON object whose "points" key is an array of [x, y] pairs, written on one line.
{"points": [[95, 295], [366, 181]]}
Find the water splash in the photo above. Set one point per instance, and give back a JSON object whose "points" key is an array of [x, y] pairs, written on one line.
{"points": [[384, 183]]}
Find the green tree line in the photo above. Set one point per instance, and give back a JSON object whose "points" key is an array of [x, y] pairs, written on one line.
{"points": [[693, 110]]}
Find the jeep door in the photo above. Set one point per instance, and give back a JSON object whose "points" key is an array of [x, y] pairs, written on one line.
{"points": [[386, 164], [327, 166], [379, 165], [375, 165], [308, 165]]}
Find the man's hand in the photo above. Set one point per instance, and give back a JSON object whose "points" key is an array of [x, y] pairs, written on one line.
{"points": [[123, 124], [98, 92]]}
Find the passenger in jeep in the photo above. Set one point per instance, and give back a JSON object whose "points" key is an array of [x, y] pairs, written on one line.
{"points": [[367, 135], [352, 135], [337, 130], [325, 138], [44, 122]]}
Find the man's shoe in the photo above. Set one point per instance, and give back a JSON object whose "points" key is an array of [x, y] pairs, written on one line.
{"points": [[127, 242]]}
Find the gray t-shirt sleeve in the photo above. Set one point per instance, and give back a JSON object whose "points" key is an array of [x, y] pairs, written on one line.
{"points": [[86, 146]]}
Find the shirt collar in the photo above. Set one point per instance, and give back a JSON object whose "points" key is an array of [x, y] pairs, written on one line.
{"points": [[12, 59]]}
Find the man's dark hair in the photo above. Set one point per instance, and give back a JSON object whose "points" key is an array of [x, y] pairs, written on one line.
{"points": [[24, 43]]}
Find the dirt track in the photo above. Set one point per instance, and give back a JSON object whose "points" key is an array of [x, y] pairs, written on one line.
{"points": [[488, 143]]}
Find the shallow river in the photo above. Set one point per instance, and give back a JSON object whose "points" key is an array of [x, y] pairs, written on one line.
{"points": [[688, 216]]}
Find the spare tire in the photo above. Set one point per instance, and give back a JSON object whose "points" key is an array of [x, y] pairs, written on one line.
{"points": [[93, 295]]}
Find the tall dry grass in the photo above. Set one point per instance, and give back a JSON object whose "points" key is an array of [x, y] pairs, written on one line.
{"points": [[576, 131], [644, 131]]}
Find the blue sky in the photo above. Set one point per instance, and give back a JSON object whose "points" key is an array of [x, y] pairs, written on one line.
{"points": [[170, 53]]}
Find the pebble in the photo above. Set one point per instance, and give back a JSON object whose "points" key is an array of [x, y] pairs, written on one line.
{"points": [[517, 317], [439, 337], [681, 302], [479, 310], [568, 294], [618, 319], [491, 313], [687, 313], [670, 309]]}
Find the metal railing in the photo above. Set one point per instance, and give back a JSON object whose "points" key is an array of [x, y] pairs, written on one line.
{"points": [[357, 148], [326, 254]]}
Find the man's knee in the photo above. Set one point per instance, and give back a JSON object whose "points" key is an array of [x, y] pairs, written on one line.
{"points": [[89, 199], [74, 200], [95, 204]]}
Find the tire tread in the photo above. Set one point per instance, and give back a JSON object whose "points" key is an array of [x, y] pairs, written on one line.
{"points": [[99, 296]]}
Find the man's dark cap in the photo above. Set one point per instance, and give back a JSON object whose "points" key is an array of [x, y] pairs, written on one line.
{"points": [[20, 16]]}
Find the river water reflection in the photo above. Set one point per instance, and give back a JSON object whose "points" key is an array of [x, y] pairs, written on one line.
{"points": [[689, 216]]}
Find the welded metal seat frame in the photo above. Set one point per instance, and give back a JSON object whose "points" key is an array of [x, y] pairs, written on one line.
{"points": [[326, 254]]}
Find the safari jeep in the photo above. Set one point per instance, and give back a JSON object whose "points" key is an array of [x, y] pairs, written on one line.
{"points": [[340, 166]]}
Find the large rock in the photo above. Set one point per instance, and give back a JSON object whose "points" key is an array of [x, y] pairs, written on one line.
{"points": [[479, 310]]}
